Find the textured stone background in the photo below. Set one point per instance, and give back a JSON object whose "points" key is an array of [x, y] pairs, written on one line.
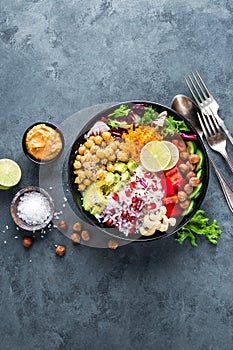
{"points": [[57, 57]]}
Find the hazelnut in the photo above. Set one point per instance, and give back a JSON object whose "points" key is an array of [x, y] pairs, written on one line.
{"points": [[185, 204], [188, 188], [113, 244], [62, 225], [77, 227], [27, 242], [85, 235], [182, 196], [184, 155], [183, 168], [75, 238], [60, 250], [194, 158], [194, 181]]}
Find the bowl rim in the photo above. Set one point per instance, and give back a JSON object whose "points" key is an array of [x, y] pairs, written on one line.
{"points": [[14, 204], [29, 156], [186, 219]]}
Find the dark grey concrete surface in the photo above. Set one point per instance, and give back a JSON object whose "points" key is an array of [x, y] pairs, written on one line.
{"points": [[57, 57]]}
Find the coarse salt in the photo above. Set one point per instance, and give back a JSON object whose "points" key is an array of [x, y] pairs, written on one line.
{"points": [[33, 208]]}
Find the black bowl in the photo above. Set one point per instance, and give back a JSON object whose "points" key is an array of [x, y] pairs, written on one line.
{"points": [[114, 231], [30, 156]]}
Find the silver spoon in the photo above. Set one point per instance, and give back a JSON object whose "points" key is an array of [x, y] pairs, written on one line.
{"points": [[188, 109]]}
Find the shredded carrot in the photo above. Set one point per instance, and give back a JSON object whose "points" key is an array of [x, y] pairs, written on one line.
{"points": [[136, 139]]}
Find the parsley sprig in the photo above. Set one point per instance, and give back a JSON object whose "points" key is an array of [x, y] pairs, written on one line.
{"points": [[198, 225]]}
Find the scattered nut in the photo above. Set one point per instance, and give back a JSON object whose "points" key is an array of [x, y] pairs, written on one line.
{"points": [[77, 227], [62, 225], [194, 158], [113, 244], [188, 188], [75, 238], [85, 235], [27, 242], [185, 204], [60, 250], [182, 196]]}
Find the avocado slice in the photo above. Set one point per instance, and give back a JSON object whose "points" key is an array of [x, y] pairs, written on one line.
{"points": [[93, 199], [132, 165], [120, 167], [125, 176]]}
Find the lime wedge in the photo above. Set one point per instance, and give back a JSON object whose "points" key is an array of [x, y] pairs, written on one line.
{"points": [[10, 174], [174, 154], [155, 156]]}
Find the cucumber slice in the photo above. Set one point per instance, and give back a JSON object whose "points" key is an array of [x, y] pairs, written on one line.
{"points": [[201, 161], [197, 191], [190, 208], [191, 145], [200, 174]]}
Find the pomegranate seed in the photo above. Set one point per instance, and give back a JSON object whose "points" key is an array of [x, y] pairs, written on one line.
{"points": [[127, 193], [152, 206], [154, 188], [133, 184], [134, 200], [132, 219], [109, 222], [132, 230], [138, 205], [124, 213], [147, 174], [115, 196]]}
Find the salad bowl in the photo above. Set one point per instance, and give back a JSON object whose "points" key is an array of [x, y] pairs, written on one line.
{"points": [[138, 171]]}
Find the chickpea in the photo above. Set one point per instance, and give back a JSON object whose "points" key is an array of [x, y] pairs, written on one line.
{"points": [[182, 196], [194, 181], [122, 156], [185, 204], [188, 188], [79, 157], [77, 180], [87, 156], [106, 135], [76, 172], [100, 174], [87, 182], [94, 159], [81, 149], [104, 161], [194, 158], [98, 139], [81, 187], [103, 144], [77, 164], [110, 167], [112, 157], [103, 167], [94, 149], [89, 143], [88, 174], [86, 165], [86, 151], [81, 174], [100, 153], [113, 146], [92, 137]]}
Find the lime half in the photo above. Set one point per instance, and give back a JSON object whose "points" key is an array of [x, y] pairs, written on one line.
{"points": [[174, 154], [10, 174], [155, 156]]}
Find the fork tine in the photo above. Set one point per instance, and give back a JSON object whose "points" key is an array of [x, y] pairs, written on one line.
{"points": [[196, 89], [204, 125], [214, 122], [191, 90], [200, 87], [202, 81]]}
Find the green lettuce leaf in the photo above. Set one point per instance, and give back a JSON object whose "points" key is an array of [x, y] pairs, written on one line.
{"points": [[171, 126]]}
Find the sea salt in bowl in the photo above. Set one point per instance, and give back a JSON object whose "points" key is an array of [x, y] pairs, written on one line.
{"points": [[32, 208]]}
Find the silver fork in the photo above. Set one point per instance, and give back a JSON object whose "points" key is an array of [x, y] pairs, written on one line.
{"points": [[214, 136], [205, 99]]}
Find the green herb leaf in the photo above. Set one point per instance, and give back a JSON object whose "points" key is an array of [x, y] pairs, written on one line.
{"points": [[171, 126], [148, 116], [114, 124], [122, 111], [198, 225]]}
